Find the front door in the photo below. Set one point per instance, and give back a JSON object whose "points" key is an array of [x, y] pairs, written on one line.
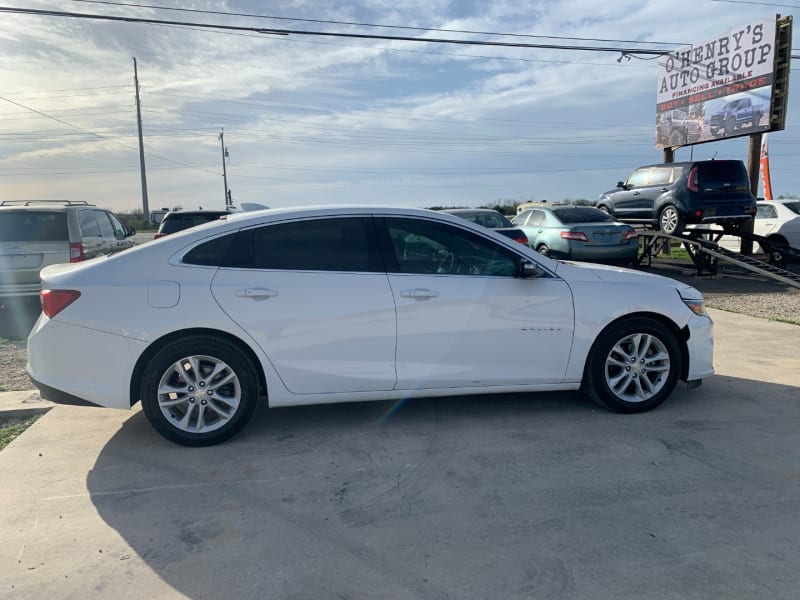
{"points": [[463, 317]]}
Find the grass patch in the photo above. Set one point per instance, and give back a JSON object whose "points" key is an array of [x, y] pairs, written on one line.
{"points": [[13, 427]]}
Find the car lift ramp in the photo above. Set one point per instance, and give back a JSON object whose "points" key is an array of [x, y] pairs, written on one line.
{"points": [[706, 253]]}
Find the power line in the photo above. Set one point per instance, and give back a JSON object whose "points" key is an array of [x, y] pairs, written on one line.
{"points": [[274, 31], [374, 25], [97, 135]]}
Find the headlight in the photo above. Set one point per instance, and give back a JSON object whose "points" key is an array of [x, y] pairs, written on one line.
{"points": [[698, 307]]}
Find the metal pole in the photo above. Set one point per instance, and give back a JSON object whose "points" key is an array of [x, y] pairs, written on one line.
{"points": [[224, 171], [753, 167], [142, 171]]}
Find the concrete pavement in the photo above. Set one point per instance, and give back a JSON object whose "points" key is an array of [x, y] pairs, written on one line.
{"points": [[527, 496]]}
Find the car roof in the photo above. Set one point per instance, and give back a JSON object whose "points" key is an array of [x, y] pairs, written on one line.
{"points": [[463, 211], [690, 163], [173, 213]]}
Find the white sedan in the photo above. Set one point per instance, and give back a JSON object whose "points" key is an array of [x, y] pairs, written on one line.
{"points": [[340, 304], [776, 220]]}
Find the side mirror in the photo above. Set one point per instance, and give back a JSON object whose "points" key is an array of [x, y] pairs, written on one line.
{"points": [[530, 270], [129, 231], [621, 184]]}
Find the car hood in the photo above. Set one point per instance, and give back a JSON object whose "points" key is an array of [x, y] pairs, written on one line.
{"points": [[578, 271]]}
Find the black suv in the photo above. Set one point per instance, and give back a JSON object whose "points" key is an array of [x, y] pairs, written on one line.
{"points": [[178, 220], [673, 195]]}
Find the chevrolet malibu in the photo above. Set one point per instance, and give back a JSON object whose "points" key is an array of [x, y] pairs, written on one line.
{"points": [[340, 304]]}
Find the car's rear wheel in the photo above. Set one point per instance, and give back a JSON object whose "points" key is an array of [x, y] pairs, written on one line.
{"points": [[669, 220], [543, 250], [677, 138], [633, 365], [199, 390], [776, 254], [730, 125]]}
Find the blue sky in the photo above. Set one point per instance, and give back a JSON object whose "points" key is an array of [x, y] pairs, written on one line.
{"points": [[331, 120]]}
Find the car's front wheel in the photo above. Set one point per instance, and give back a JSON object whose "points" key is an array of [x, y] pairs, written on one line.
{"points": [[669, 220], [543, 250], [633, 365], [199, 391]]}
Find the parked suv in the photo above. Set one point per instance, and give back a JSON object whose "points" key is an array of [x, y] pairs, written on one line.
{"points": [[672, 195], [37, 233]]}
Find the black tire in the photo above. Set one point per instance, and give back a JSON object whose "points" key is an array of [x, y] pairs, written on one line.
{"points": [[604, 209], [730, 125], [543, 250], [670, 220], [776, 255], [612, 346], [756, 119], [677, 138], [229, 396]]}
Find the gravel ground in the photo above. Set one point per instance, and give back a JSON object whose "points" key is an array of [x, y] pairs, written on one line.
{"points": [[13, 358]]}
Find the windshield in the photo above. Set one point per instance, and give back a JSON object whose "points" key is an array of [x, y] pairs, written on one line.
{"points": [[33, 226], [583, 214]]}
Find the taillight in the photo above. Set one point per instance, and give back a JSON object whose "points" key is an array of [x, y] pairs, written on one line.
{"points": [[631, 234], [692, 183], [521, 239], [54, 301], [76, 252], [574, 235], [158, 235]]}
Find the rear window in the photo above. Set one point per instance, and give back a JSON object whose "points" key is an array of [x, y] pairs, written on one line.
{"points": [[722, 176], [33, 226], [178, 222], [793, 206], [582, 215]]}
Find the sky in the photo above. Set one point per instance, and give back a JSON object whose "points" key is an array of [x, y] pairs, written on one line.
{"points": [[325, 120]]}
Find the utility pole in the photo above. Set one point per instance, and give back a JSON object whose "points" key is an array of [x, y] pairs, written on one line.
{"points": [[145, 207], [228, 201]]}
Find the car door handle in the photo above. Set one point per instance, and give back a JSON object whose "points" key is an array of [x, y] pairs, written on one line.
{"points": [[636, 193], [256, 293], [419, 294]]}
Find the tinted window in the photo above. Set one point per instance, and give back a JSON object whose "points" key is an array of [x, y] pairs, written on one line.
{"points": [[425, 247], [33, 226], [765, 211], [88, 224], [105, 225], [211, 253], [722, 175], [336, 244], [582, 214], [638, 177], [793, 206]]}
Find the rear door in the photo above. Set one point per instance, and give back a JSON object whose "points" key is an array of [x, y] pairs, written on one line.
{"points": [[314, 295], [29, 241]]}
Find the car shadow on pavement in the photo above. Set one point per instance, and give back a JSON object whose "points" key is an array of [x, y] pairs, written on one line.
{"points": [[508, 496]]}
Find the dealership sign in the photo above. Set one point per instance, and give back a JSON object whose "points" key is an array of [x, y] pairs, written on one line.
{"points": [[717, 89]]}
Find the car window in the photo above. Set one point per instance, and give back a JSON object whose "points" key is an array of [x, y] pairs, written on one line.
{"points": [[33, 226], [522, 218], [722, 176], [426, 247], [174, 222], [88, 224], [765, 211], [638, 177], [793, 206], [333, 244], [119, 228], [105, 225], [660, 175], [582, 214], [211, 253], [538, 219]]}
